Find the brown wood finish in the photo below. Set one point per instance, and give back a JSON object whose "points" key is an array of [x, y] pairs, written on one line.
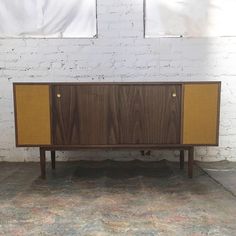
{"points": [[181, 160], [43, 162], [117, 83], [149, 114], [84, 115], [53, 159], [119, 114], [190, 162]]}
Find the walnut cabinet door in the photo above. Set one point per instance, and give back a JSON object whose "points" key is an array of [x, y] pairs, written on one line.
{"points": [[129, 114]]}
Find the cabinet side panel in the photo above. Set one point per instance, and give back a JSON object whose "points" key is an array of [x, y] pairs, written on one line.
{"points": [[200, 124], [32, 106]]}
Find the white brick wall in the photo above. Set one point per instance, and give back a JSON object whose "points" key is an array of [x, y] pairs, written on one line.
{"points": [[119, 54]]}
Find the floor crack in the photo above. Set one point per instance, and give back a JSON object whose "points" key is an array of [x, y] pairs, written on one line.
{"points": [[218, 182]]}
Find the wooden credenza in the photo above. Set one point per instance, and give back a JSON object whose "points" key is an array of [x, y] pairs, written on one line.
{"points": [[63, 116]]}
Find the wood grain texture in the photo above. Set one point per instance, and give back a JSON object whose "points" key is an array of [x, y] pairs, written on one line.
{"points": [[116, 114], [200, 122], [149, 114], [84, 115], [32, 104]]}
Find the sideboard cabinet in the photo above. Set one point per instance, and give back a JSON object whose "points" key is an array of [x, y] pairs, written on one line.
{"points": [[63, 116]]}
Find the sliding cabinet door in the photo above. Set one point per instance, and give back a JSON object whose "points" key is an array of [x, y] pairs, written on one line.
{"points": [[84, 115], [150, 114], [116, 114]]}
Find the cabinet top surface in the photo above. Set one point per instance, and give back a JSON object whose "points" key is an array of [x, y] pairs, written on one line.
{"points": [[119, 83]]}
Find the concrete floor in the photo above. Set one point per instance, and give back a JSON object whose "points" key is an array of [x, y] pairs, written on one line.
{"points": [[115, 198]]}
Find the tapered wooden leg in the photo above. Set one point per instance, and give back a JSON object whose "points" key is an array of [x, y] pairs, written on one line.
{"points": [[43, 162], [181, 160], [190, 162], [53, 159]]}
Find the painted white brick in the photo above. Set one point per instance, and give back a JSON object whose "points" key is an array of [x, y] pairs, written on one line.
{"points": [[120, 53]]}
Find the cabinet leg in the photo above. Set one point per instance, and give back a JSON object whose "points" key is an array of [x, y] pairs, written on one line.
{"points": [[53, 159], [181, 160], [190, 162], [43, 162]]}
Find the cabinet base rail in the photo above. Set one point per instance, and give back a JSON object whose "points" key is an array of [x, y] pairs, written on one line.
{"points": [[189, 149]]}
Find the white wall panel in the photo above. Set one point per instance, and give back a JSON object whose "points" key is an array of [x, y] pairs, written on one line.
{"points": [[120, 54], [48, 18], [191, 18]]}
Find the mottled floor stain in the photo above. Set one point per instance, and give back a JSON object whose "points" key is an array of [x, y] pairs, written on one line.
{"points": [[113, 198]]}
